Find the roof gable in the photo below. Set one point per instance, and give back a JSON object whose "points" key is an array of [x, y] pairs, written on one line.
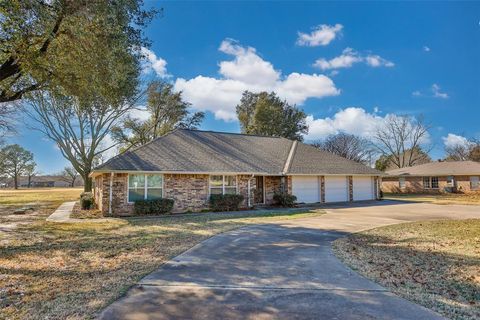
{"points": [[215, 152]]}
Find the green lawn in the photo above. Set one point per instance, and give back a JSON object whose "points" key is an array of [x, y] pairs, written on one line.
{"points": [[71, 271], [434, 263], [448, 198]]}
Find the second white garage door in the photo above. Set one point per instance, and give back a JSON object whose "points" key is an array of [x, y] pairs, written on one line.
{"points": [[306, 189], [336, 189], [362, 188]]}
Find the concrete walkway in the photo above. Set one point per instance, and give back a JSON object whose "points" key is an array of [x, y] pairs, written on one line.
{"points": [[62, 215], [280, 271]]}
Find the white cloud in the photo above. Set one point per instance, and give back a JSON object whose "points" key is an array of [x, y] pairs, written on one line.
{"points": [[153, 63], [426, 49], [348, 58], [140, 112], [437, 93], [247, 66], [351, 120], [345, 60], [452, 140], [377, 61], [248, 71], [321, 35]]}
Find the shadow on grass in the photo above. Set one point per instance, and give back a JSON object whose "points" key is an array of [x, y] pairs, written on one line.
{"points": [[442, 281]]}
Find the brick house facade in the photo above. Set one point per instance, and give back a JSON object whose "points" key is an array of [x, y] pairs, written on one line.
{"points": [[462, 183], [190, 192]]}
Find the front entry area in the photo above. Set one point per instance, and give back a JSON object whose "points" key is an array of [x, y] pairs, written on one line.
{"points": [[259, 190]]}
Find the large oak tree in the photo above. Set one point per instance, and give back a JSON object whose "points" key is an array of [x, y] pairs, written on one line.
{"points": [[166, 111], [266, 114], [80, 47]]}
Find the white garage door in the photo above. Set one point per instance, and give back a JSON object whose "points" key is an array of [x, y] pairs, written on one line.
{"points": [[336, 189], [362, 188], [306, 189]]}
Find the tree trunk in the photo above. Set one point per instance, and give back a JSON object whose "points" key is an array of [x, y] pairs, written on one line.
{"points": [[87, 185], [15, 182]]}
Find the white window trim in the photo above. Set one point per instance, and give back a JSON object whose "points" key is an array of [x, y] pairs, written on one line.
{"points": [[223, 183], [145, 192], [404, 182], [431, 185], [478, 183]]}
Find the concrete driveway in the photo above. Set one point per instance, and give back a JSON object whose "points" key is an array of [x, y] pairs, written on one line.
{"points": [[280, 271]]}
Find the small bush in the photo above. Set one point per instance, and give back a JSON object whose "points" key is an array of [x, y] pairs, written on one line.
{"points": [[87, 201], [380, 194], [284, 199], [225, 202], [158, 206]]}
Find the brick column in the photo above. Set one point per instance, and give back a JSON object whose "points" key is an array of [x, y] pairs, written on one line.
{"points": [[375, 187], [350, 188]]}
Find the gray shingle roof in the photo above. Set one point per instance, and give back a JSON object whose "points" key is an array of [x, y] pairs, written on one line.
{"points": [[309, 160], [206, 151], [446, 168]]}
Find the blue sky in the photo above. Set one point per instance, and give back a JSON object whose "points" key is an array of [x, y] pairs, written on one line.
{"points": [[347, 65]]}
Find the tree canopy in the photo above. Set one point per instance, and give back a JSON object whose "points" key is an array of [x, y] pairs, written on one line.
{"points": [[79, 47], [79, 128], [266, 114], [15, 161], [398, 136], [468, 150], [348, 146], [166, 111]]}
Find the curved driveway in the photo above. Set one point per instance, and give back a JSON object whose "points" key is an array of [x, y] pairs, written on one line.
{"points": [[280, 271]]}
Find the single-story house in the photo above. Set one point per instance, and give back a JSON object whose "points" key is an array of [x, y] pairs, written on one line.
{"points": [[190, 165], [446, 176]]}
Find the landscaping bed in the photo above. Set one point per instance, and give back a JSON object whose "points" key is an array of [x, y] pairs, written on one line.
{"points": [[433, 263], [78, 213], [72, 271]]}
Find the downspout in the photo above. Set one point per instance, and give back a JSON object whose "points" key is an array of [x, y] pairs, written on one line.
{"points": [[110, 196]]}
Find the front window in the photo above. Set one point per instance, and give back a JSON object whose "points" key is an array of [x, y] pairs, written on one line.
{"points": [[426, 182], [431, 182], [401, 183], [434, 182], [222, 184], [475, 183], [144, 187]]}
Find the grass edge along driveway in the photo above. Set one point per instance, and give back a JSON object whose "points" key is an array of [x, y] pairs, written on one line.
{"points": [[72, 271], [433, 263]]}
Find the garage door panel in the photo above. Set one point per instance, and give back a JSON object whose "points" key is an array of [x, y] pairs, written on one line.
{"points": [[306, 189], [336, 189], [362, 188]]}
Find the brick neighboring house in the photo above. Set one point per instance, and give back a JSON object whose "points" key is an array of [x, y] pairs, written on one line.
{"points": [[434, 177], [190, 165]]}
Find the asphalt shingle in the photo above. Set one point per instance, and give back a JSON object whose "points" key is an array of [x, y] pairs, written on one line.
{"points": [[207, 151]]}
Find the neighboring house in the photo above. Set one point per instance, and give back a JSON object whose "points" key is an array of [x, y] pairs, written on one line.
{"points": [[454, 176], [51, 181], [189, 165]]}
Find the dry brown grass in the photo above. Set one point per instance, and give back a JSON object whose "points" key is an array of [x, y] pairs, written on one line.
{"points": [[434, 263], [71, 271], [447, 198], [43, 200]]}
